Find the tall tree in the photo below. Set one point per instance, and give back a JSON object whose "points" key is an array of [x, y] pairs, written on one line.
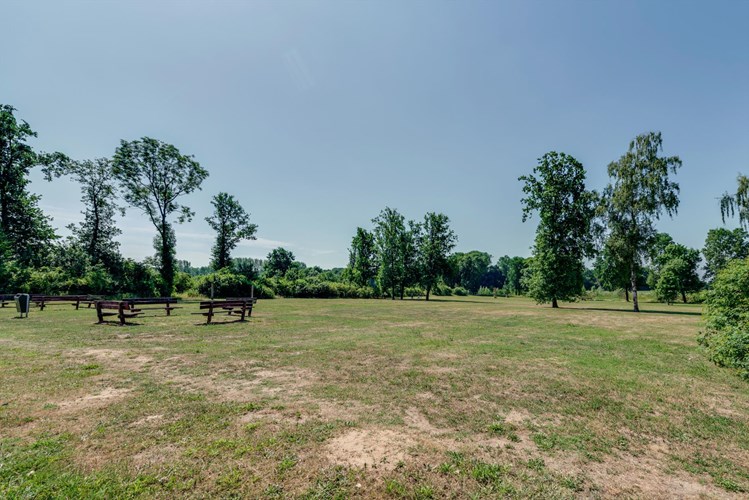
{"points": [[96, 234], [362, 268], [436, 241], [640, 191], [738, 203], [675, 269], [279, 262], [153, 176], [390, 231], [26, 228], [232, 225], [472, 266], [556, 191], [513, 268], [722, 246]]}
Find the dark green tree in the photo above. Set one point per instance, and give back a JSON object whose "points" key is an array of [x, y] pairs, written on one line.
{"points": [[232, 225], [513, 268], [153, 176], [362, 267], [726, 317], [675, 268], [556, 191], [96, 233], [26, 228], [722, 246], [390, 237], [640, 191], [435, 242], [279, 262], [472, 266], [738, 203]]}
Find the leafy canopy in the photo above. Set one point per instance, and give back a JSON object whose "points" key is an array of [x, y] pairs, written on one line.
{"points": [[556, 192], [232, 225]]}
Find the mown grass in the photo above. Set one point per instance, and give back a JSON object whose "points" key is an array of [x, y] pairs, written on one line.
{"points": [[460, 397]]}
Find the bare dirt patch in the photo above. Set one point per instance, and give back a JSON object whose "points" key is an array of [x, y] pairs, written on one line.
{"points": [[116, 358], [104, 398], [376, 448]]}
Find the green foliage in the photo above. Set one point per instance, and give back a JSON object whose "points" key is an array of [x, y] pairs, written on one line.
{"points": [[23, 223], [314, 287], [434, 243], [227, 284], [279, 262], [563, 236], [738, 203], [675, 271], [362, 267], [721, 246], [96, 234], [639, 192], [726, 315], [460, 291], [390, 238], [470, 268], [513, 268], [153, 176], [232, 225]]}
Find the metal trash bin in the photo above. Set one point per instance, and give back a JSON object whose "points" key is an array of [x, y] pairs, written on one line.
{"points": [[23, 303]]}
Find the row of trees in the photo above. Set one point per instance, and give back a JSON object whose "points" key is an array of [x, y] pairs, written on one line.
{"points": [[149, 175], [615, 229]]}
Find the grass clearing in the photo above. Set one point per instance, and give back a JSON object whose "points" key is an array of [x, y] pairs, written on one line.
{"points": [[455, 397]]}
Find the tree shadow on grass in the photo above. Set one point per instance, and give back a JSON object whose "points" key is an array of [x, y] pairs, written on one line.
{"points": [[656, 311]]}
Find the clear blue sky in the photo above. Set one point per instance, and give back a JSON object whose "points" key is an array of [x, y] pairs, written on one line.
{"points": [[316, 115]]}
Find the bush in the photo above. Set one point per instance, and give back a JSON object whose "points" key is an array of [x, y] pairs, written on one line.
{"points": [[442, 290], [485, 291], [313, 287], [414, 291], [459, 290], [227, 284], [726, 333]]}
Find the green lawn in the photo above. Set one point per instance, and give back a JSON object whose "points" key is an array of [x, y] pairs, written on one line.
{"points": [[456, 397]]}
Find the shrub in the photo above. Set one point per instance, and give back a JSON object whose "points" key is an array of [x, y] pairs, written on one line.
{"points": [[459, 290], [442, 290], [485, 291], [227, 284], [726, 333]]}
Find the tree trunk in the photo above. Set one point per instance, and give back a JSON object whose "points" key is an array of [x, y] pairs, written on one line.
{"points": [[626, 293], [403, 291], [684, 296], [427, 296], [633, 278], [554, 303]]}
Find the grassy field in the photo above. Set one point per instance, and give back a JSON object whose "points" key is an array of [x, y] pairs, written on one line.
{"points": [[466, 397]]}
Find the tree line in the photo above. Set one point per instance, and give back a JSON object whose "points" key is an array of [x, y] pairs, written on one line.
{"points": [[613, 232]]}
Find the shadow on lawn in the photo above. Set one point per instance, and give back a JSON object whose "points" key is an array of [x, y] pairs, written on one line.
{"points": [[657, 311]]}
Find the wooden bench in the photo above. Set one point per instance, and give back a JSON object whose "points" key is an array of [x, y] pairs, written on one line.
{"points": [[228, 306], [166, 302], [121, 309], [7, 300], [41, 301], [250, 300]]}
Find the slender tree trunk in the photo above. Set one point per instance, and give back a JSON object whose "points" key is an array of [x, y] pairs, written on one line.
{"points": [[684, 296], [626, 293], [633, 278], [554, 303], [392, 293], [403, 291], [428, 289]]}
